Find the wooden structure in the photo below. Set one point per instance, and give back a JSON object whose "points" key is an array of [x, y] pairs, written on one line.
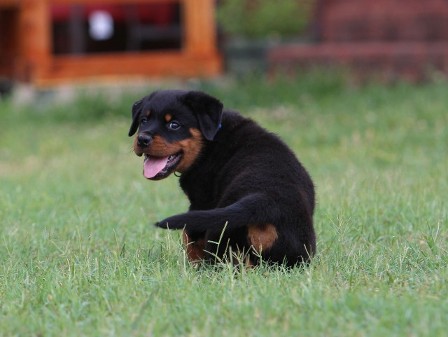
{"points": [[388, 40], [26, 52]]}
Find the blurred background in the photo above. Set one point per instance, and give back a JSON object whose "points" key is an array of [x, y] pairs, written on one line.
{"points": [[51, 42]]}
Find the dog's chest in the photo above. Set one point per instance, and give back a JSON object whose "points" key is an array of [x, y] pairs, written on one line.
{"points": [[201, 201], [200, 194]]}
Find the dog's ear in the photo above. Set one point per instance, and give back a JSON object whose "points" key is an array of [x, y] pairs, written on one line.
{"points": [[136, 109], [208, 111]]}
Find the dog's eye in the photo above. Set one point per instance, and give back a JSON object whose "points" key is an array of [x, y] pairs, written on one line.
{"points": [[174, 125], [143, 121]]}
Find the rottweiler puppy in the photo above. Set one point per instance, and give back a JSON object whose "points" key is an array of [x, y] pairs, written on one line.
{"points": [[251, 200]]}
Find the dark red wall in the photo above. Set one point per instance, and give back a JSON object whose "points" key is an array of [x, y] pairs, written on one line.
{"points": [[382, 20]]}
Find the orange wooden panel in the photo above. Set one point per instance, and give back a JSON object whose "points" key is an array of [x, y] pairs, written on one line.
{"points": [[139, 65]]}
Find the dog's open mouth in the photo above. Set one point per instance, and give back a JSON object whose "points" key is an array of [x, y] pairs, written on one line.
{"points": [[156, 168]]}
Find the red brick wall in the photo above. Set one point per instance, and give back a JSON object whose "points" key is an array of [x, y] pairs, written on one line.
{"points": [[382, 20]]}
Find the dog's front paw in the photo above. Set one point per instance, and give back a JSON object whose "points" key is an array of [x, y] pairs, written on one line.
{"points": [[170, 224]]}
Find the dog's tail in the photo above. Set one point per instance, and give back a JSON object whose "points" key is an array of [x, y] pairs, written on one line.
{"points": [[252, 209]]}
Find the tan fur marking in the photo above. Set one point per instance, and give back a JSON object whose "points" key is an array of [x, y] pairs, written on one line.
{"points": [[146, 113], [195, 249], [161, 148], [137, 149], [168, 117], [191, 148], [262, 237]]}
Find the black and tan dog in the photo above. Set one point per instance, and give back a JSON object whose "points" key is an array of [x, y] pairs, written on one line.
{"points": [[250, 197]]}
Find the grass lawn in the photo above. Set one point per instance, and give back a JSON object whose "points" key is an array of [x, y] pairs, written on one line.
{"points": [[79, 256]]}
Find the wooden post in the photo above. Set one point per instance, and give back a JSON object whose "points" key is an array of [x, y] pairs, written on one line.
{"points": [[200, 35], [34, 35]]}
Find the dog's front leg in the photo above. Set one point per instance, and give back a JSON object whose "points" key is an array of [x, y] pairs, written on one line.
{"points": [[173, 222]]}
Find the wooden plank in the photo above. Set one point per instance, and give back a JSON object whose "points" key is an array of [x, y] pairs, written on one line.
{"points": [[139, 65]]}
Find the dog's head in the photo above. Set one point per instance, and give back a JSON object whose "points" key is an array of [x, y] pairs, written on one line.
{"points": [[172, 127]]}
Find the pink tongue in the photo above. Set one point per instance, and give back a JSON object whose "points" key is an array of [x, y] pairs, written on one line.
{"points": [[152, 166]]}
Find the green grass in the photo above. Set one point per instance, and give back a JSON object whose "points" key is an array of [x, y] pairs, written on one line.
{"points": [[79, 256]]}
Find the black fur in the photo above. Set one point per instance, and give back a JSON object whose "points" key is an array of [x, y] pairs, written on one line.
{"points": [[244, 177]]}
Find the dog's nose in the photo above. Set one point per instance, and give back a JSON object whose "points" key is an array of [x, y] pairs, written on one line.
{"points": [[143, 140]]}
